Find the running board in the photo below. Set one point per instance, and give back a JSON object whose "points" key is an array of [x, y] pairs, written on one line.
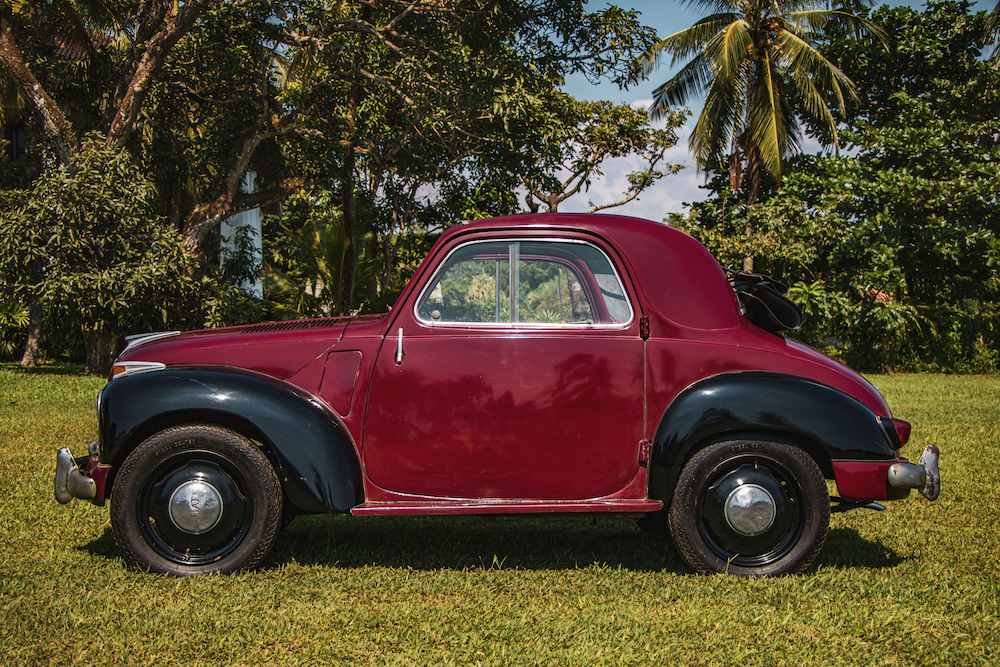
{"points": [[420, 507]]}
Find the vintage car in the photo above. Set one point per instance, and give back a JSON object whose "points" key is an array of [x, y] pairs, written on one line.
{"points": [[567, 364]]}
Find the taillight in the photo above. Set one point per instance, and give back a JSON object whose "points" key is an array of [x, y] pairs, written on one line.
{"points": [[123, 368]]}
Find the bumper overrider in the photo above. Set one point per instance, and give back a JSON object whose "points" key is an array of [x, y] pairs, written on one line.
{"points": [[922, 475], [82, 477]]}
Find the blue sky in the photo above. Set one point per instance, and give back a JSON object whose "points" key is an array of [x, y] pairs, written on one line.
{"points": [[669, 194]]}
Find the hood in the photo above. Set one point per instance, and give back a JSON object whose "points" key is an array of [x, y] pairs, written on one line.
{"points": [[278, 349]]}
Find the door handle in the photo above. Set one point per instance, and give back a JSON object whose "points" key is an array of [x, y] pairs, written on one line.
{"points": [[399, 346]]}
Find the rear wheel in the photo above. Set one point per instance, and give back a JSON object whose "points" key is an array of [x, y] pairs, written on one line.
{"points": [[195, 500], [750, 507]]}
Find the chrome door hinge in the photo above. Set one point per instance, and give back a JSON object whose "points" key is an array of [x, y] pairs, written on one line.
{"points": [[644, 327], [644, 447]]}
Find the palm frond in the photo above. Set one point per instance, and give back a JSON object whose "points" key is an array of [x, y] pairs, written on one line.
{"points": [[691, 81], [765, 121], [817, 21], [721, 116], [715, 5], [802, 58], [757, 64], [687, 42]]}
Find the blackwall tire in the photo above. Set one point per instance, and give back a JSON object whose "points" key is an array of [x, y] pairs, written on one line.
{"points": [[750, 507], [196, 500]]}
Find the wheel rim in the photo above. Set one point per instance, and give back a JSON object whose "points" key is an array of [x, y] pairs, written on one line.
{"points": [[195, 507], [751, 511]]}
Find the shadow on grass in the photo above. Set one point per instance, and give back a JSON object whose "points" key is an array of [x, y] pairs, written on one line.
{"points": [[428, 543], [472, 543], [845, 548], [46, 369]]}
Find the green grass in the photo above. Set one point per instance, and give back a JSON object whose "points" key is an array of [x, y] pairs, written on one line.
{"points": [[914, 585]]}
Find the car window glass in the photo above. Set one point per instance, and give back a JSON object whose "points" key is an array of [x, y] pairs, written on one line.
{"points": [[473, 286], [553, 282], [550, 291]]}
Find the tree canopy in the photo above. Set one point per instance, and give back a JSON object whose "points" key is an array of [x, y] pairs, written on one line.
{"points": [[758, 64], [367, 106], [894, 248]]}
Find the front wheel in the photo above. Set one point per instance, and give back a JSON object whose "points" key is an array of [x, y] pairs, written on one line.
{"points": [[750, 507], [195, 500]]}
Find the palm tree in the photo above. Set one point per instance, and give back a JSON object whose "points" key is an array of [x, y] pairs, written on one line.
{"points": [[758, 62], [993, 25]]}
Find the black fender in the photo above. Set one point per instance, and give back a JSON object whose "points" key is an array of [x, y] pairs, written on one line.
{"points": [[311, 448], [826, 422]]}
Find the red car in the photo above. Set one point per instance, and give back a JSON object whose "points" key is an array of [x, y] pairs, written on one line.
{"points": [[535, 364]]}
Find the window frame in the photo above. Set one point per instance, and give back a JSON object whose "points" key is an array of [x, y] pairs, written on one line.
{"points": [[589, 284]]}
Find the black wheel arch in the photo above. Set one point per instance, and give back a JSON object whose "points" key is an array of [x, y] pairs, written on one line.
{"points": [[309, 446], [823, 421]]}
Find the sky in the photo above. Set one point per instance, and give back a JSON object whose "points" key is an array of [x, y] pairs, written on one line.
{"points": [[670, 193]]}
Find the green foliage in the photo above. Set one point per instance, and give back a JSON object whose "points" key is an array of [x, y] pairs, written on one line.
{"points": [[305, 258], [899, 245], [86, 242], [568, 136], [13, 325], [758, 65]]}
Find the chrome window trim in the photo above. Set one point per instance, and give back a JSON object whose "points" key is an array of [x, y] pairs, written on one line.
{"points": [[523, 326]]}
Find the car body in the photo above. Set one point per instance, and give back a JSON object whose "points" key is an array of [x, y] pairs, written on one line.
{"points": [[537, 364]]}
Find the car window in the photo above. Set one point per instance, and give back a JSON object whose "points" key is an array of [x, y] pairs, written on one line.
{"points": [[553, 282]]}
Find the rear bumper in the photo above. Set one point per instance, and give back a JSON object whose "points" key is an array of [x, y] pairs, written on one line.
{"points": [[889, 480], [82, 477]]}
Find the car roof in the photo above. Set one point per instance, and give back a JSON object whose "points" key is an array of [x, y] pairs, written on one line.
{"points": [[676, 276]]}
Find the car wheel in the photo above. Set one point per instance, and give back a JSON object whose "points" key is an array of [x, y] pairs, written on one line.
{"points": [[753, 507], [195, 500]]}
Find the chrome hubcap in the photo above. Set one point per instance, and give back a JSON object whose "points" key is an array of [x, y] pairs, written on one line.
{"points": [[750, 509], [195, 507]]}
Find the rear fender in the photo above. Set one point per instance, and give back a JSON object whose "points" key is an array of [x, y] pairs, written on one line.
{"points": [[312, 450], [827, 423]]}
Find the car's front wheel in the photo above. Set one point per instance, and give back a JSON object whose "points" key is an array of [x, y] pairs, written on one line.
{"points": [[751, 507], [195, 499]]}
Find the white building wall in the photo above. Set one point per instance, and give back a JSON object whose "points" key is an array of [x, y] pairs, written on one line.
{"points": [[231, 226]]}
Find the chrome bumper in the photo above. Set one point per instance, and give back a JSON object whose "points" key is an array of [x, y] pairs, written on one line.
{"points": [[922, 475], [72, 482]]}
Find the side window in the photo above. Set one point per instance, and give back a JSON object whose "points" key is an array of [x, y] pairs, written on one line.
{"points": [[552, 282], [473, 286], [551, 291]]}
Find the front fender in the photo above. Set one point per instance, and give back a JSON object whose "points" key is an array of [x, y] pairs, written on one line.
{"points": [[316, 457], [826, 422]]}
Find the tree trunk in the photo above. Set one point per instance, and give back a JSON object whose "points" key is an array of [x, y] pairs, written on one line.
{"points": [[350, 232], [30, 357], [100, 348], [143, 68], [53, 122], [345, 302], [748, 260]]}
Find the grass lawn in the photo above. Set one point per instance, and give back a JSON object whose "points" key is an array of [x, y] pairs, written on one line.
{"points": [[917, 584]]}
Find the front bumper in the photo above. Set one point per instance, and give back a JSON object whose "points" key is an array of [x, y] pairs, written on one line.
{"points": [[82, 477], [889, 480]]}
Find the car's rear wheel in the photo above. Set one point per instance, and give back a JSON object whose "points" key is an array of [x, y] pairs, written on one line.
{"points": [[195, 500], [751, 507]]}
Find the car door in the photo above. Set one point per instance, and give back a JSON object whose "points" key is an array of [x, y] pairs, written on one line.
{"points": [[515, 372]]}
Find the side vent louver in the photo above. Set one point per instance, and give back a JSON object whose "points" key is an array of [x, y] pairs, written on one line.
{"points": [[293, 325]]}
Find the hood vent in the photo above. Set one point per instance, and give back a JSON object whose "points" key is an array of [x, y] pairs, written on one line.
{"points": [[295, 325]]}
